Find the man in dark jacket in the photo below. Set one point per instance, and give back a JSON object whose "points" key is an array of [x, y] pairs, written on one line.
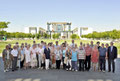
{"points": [[112, 55]]}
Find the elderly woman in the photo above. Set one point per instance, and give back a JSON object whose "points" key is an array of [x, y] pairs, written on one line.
{"points": [[58, 57], [68, 55], [53, 56], [27, 57], [94, 57], [33, 56], [63, 57], [47, 57], [6, 58], [40, 52]]}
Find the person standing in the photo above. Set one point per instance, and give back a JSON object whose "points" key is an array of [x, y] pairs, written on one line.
{"points": [[94, 57], [47, 57], [112, 55], [91, 45], [63, 57], [58, 57], [102, 57], [40, 52], [74, 57], [22, 52], [88, 50], [73, 44], [14, 53], [6, 58], [10, 49], [33, 56], [81, 58], [68, 55], [27, 57]]}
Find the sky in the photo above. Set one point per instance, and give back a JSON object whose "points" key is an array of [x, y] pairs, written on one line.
{"points": [[101, 15]]}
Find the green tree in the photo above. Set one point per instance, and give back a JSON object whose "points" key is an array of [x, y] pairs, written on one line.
{"points": [[74, 36], [56, 36], [4, 25]]}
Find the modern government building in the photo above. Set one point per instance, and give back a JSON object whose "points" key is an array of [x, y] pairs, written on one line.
{"points": [[63, 28]]}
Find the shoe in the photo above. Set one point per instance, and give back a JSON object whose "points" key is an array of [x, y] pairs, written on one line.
{"points": [[76, 70], [5, 71], [100, 70], [103, 71], [69, 68], [41, 68], [12, 70], [72, 69]]}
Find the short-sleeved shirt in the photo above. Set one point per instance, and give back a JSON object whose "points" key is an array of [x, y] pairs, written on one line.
{"points": [[47, 53], [64, 52], [81, 54], [14, 53], [57, 53], [102, 51], [88, 51], [74, 55]]}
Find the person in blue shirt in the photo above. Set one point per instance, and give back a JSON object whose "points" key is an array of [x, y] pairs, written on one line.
{"points": [[74, 56], [102, 57]]}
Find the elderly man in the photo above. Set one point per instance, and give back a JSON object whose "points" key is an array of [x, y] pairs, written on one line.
{"points": [[112, 55], [14, 53], [6, 58], [102, 56]]}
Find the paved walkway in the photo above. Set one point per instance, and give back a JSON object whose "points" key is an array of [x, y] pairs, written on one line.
{"points": [[58, 75]]}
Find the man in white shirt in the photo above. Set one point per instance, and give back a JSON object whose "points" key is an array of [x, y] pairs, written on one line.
{"points": [[14, 53]]}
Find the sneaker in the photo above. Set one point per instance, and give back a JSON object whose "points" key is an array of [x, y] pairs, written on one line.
{"points": [[5, 71], [76, 70], [69, 68], [72, 69], [41, 68], [103, 71]]}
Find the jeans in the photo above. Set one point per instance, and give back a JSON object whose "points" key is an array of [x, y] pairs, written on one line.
{"points": [[74, 65], [102, 63]]}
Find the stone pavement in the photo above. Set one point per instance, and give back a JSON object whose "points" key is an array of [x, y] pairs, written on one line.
{"points": [[59, 75]]}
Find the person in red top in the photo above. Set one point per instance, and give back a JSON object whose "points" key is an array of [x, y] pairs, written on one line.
{"points": [[88, 57], [94, 57]]}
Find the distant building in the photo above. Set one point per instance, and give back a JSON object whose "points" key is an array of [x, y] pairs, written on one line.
{"points": [[41, 30], [63, 28], [82, 30], [33, 30]]}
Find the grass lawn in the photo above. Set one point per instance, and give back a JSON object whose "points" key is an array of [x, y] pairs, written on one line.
{"points": [[12, 42]]}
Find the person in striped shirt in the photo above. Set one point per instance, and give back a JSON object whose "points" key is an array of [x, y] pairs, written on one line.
{"points": [[81, 58]]}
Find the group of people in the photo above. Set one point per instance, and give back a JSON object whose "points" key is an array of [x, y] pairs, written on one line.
{"points": [[71, 57]]}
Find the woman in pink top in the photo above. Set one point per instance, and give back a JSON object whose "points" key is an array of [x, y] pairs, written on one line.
{"points": [[94, 57]]}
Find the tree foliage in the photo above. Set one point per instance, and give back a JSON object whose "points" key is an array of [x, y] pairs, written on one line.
{"points": [[74, 36], [114, 34], [4, 25], [56, 36]]}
